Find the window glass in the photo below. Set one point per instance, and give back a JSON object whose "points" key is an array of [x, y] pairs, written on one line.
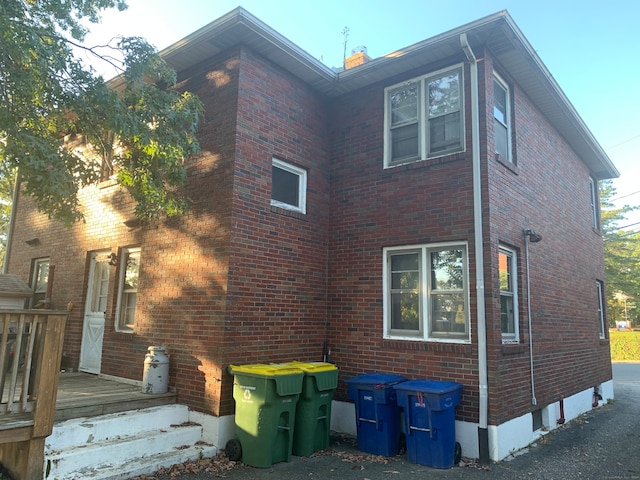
{"points": [[593, 187], [39, 282], [128, 288], [288, 186], [424, 117], [507, 271], [600, 308], [417, 312], [502, 120]]}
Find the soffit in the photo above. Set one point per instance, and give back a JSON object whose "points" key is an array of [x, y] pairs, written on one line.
{"points": [[496, 32]]}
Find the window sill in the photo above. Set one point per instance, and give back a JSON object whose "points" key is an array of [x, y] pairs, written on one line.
{"points": [[513, 348], [428, 346], [288, 213], [507, 164], [426, 162]]}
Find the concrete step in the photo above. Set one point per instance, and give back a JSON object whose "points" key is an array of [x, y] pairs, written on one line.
{"points": [[79, 432], [121, 446]]}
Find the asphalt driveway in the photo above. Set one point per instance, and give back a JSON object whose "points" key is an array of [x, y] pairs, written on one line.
{"points": [[602, 445]]}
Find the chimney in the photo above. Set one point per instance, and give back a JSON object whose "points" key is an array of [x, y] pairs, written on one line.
{"points": [[358, 57]]}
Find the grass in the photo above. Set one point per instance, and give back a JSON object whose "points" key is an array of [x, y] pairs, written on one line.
{"points": [[625, 346]]}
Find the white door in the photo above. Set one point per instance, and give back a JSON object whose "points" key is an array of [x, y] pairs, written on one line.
{"points": [[94, 313]]}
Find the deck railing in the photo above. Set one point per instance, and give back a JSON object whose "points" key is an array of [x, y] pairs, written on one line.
{"points": [[30, 353]]}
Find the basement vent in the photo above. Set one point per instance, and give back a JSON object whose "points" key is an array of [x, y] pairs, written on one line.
{"points": [[537, 419]]}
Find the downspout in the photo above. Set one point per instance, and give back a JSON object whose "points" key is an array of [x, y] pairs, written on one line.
{"points": [[483, 432], [527, 239], [12, 221]]}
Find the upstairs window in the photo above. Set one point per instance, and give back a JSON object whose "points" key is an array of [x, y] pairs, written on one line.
{"points": [[502, 119], [600, 305], [593, 191], [426, 292], [424, 117], [128, 289], [507, 270], [288, 186]]}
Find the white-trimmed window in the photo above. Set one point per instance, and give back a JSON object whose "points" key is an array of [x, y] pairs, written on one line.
{"points": [[601, 319], [127, 289], [593, 192], [40, 282], [508, 274], [424, 117], [288, 186], [426, 294], [502, 118]]}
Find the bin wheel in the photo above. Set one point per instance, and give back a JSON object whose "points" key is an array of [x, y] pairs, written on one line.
{"points": [[233, 449], [457, 453]]}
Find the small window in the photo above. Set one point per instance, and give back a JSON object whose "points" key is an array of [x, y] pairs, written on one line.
{"points": [[39, 282], [502, 118], [288, 186], [507, 270], [128, 288], [600, 305], [426, 292], [593, 190], [424, 118]]}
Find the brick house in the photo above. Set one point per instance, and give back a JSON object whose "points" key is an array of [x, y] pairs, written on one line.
{"points": [[386, 212]]}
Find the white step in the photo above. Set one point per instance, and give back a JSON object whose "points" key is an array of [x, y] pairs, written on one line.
{"points": [[79, 432], [123, 445]]}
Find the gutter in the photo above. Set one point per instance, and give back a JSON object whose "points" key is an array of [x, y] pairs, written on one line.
{"points": [[483, 432]]}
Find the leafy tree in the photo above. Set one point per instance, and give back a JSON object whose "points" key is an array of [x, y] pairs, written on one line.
{"points": [[622, 258], [137, 125]]}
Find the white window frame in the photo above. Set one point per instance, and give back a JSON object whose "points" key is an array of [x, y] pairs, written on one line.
{"points": [[302, 186], [424, 143], [505, 86], [593, 192], [425, 331], [124, 324], [39, 287], [510, 337], [601, 319]]}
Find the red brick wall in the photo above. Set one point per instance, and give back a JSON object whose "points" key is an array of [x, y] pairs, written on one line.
{"points": [[548, 191]]}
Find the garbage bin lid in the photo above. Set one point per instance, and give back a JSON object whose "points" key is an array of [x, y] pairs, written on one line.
{"points": [[263, 370], [376, 379], [312, 367], [429, 386]]}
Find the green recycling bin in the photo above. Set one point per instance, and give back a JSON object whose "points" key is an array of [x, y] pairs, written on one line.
{"points": [[313, 413], [266, 398]]}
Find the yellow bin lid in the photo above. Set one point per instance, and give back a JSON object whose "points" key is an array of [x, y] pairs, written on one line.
{"points": [[312, 367], [264, 370]]}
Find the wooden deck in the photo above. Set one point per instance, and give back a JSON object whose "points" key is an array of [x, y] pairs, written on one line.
{"points": [[87, 395]]}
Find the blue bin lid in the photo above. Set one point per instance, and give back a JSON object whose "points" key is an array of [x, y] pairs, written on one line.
{"points": [[429, 386], [376, 379]]}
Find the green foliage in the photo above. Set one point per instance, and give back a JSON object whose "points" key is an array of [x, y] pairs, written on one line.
{"points": [[138, 124], [625, 346], [622, 259]]}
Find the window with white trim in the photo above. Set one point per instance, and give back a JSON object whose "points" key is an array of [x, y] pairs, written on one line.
{"points": [[593, 191], [288, 186], [508, 274], [502, 118], [600, 300], [426, 293], [424, 117], [127, 289], [39, 282]]}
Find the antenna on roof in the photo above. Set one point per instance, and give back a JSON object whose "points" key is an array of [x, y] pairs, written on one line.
{"points": [[345, 34]]}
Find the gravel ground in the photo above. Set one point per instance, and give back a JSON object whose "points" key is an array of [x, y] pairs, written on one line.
{"points": [[603, 444]]}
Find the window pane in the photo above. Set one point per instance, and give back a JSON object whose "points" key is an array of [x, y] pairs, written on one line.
{"points": [[404, 142], [504, 266], [448, 313], [405, 311], [444, 95], [506, 314], [447, 270], [131, 273], [285, 186], [444, 132], [42, 276], [501, 139], [499, 103], [404, 105]]}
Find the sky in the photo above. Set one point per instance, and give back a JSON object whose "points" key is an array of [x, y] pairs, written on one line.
{"points": [[589, 46]]}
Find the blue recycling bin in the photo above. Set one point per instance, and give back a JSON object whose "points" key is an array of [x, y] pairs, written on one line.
{"points": [[429, 420], [378, 417]]}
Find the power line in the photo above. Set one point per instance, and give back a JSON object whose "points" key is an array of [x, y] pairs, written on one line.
{"points": [[624, 196]]}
